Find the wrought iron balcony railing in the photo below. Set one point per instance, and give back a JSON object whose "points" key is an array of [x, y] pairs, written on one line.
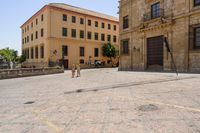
{"points": [[153, 15]]}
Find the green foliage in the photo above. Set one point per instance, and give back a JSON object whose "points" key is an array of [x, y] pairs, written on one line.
{"points": [[21, 59], [8, 54], [109, 50]]}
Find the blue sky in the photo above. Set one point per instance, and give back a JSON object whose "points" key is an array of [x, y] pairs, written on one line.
{"points": [[14, 13]]}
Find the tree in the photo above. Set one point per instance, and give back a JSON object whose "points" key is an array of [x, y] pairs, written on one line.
{"points": [[21, 59], [8, 54], [109, 50]]}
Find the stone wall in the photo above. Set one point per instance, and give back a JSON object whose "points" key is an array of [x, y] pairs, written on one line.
{"points": [[175, 24], [25, 72]]}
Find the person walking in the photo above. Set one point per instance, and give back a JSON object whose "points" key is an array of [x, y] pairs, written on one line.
{"points": [[73, 70], [78, 70]]}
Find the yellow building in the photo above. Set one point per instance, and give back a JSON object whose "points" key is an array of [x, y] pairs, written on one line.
{"points": [[60, 33], [146, 24]]}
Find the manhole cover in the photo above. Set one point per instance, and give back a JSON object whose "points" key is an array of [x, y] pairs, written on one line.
{"points": [[149, 107], [29, 102]]}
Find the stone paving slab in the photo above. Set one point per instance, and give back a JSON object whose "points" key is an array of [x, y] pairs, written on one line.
{"points": [[101, 101]]}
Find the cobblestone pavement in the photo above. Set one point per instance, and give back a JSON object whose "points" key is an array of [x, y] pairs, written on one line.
{"points": [[101, 101]]}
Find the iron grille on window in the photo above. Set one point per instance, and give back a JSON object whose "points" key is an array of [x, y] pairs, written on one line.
{"points": [[125, 47], [197, 37], [155, 10], [196, 2], [150, 15], [125, 22]]}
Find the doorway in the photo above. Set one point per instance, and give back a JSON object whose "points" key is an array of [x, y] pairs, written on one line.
{"points": [[155, 53]]}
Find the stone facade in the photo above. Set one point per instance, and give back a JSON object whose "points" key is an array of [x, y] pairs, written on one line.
{"points": [[175, 20], [56, 17]]}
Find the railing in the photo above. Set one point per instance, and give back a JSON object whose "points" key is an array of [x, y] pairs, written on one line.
{"points": [[153, 15]]}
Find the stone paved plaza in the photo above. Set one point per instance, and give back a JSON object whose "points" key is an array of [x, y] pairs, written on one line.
{"points": [[101, 101]]}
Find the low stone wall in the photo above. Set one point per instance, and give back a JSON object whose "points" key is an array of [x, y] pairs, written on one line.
{"points": [[25, 72]]}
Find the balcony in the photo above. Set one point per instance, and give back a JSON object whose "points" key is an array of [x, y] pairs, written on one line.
{"points": [[153, 15]]}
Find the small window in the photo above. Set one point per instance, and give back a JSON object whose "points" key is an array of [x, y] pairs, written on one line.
{"points": [[27, 53], [82, 61], [32, 53], [22, 41], [89, 35], [36, 35], [36, 52], [96, 52], [96, 23], [196, 2], [109, 26], [73, 19], [82, 51], [64, 17], [155, 10], [125, 22], [103, 25], [197, 37], [102, 37], [96, 36], [42, 32], [81, 21], [82, 34], [36, 21], [42, 17], [109, 38], [114, 38], [114, 27], [74, 33], [31, 37], [32, 25], [64, 32], [89, 22], [125, 47], [65, 50], [27, 39], [42, 52], [27, 27]]}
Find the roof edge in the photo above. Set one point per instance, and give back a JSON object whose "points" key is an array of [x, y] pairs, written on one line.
{"points": [[51, 5], [38, 12], [114, 18]]}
